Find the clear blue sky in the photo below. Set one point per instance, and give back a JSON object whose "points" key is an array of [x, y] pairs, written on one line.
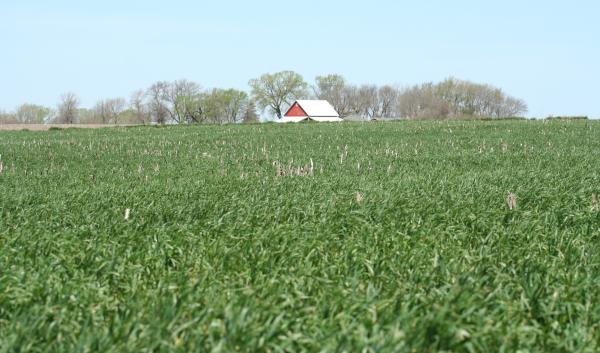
{"points": [[546, 52]]}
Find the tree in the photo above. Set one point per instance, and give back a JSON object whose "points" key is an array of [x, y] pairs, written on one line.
{"points": [[157, 104], [387, 96], [174, 101], [250, 115], [332, 88], [224, 105], [115, 107], [7, 118], [278, 90], [100, 114], [514, 106], [191, 108], [454, 98], [67, 108], [32, 114], [367, 102], [109, 110], [182, 97], [86, 116], [233, 104], [138, 107]]}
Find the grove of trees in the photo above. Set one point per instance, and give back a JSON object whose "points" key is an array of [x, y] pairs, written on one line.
{"points": [[185, 101]]}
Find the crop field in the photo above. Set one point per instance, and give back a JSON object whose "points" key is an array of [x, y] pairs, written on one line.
{"points": [[416, 236]]}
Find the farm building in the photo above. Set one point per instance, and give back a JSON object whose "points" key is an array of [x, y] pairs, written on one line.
{"points": [[316, 110]]}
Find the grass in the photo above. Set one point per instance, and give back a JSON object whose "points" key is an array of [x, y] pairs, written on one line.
{"points": [[398, 239]]}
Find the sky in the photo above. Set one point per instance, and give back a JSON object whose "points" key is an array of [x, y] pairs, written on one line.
{"points": [[545, 52]]}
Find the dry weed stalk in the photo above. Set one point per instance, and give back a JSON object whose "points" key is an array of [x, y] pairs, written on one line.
{"points": [[511, 201], [1, 166], [290, 170], [594, 203], [359, 197]]}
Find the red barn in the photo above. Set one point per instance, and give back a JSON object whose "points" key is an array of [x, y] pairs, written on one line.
{"points": [[316, 110]]}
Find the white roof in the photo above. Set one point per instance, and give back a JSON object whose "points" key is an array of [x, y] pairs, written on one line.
{"points": [[297, 119], [325, 118], [292, 119], [320, 108]]}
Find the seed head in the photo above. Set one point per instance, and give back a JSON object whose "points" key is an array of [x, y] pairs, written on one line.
{"points": [[359, 197]]}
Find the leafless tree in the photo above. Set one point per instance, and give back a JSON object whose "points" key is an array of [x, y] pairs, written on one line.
{"points": [[138, 107], [453, 98], [115, 107], [387, 96], [158, 104], [367, 101], [514, 106], [7, 118], [67, 108], [100, 113], [333, 88], [173, 101], [109, 110], [250, 115]]}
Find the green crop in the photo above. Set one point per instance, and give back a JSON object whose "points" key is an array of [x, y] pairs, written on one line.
{"points": [[350, 237]]}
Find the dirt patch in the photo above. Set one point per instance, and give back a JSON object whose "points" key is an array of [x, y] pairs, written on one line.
{"points": [[44, 127]]}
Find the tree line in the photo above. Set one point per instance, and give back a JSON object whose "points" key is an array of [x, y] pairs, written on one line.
{"points": [[184, 101]]}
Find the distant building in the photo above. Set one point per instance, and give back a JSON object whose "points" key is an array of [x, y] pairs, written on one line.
{"points": [[316, 110]]}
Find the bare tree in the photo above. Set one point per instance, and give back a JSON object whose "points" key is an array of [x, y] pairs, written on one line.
{"points": [[332, 89], [453, 98], [158, 105], [174, 101], [138, 107], [349, 99], [109, 110], [67, 108], [100, 113], [387, 96], [115, 107], [367, 101], [7, 118], [250, 115], [514, 106]]}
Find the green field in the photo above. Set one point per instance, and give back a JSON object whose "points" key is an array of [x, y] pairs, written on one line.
{"points": [[398, 238]]}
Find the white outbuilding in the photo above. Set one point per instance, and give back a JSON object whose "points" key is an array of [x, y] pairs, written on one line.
{"points": [[316, 110]]}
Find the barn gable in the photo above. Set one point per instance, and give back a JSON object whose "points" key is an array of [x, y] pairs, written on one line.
{"points": [[317, 110], [296, 110]]}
